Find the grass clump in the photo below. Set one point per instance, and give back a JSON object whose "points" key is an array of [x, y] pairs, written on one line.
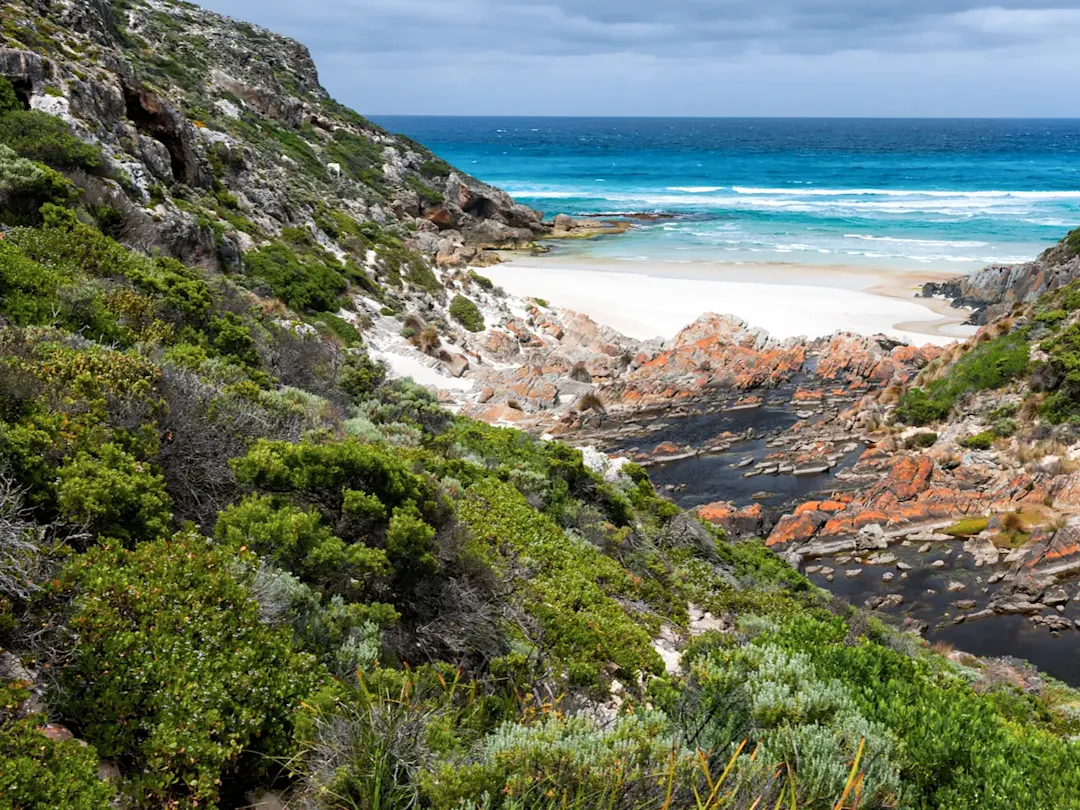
{"points": [[590, 402], [921, 440], [980, 441], [967, 527]]}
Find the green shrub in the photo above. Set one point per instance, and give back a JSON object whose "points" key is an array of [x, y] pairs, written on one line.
{"points": [[483, 282], [567, 762], [348, 334], [408, 402], [466, 313], [37, 772], [1052, 318], [380, 508], [299, 541], [114, 495], [358, 156], [957, 750], [1060, 374], [918, 408], [301, 283], [28, 290], [320, 473], [25, 186], [360, 376], [233, 338], [1004, 427], [47, 139], [572, 587], [9, 102], [80, 250], [1072, 240], [174, 675], [794, 714]]}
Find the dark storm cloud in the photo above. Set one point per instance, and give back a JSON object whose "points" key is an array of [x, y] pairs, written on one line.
{"points": [[662, 28], [688, 57]]}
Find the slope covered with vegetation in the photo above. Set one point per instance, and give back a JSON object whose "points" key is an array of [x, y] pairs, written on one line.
{"points": [[236, 557]]}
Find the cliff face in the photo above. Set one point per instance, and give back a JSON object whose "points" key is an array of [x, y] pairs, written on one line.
{"points": [[993, 291], [219, 134]]}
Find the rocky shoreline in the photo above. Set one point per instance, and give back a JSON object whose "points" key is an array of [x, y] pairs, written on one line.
{"points": [[993, 291]]}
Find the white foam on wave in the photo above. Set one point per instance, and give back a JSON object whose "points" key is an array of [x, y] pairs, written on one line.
{"points": [[920, 242], [896, 192], [958, 204]]}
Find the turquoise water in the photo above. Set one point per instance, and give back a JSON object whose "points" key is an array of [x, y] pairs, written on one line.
{"points": [[913, 194]]}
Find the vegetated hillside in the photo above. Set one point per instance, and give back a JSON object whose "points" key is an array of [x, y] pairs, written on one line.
{"points": [[1029, 350], [235, 558]]}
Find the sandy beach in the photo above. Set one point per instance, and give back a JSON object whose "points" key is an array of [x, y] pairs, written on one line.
{"points": [[651, 299]]}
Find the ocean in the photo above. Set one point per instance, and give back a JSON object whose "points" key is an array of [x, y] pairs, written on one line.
{"points": [[928, 194]]}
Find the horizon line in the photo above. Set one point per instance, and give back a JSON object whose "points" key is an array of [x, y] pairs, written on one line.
{"points": [[738, 117]]}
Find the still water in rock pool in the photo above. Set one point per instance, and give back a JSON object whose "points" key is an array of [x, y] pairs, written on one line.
{"points": [[917, 578], [722, 476]]}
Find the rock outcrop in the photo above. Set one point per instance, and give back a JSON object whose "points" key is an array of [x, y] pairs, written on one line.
{"points": [[993, 291]]}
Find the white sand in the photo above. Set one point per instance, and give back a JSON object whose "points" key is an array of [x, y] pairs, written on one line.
{"points": [[645, 301]]}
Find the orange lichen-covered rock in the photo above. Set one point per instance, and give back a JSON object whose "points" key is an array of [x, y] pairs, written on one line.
{"points": [[499, 413], [1049, 549], [850, 522], [1066, 489], [733, 520], [715, 350], [795, 528], [907, 477], [865, 359]]}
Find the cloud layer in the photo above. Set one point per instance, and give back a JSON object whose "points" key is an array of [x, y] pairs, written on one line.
{"points": [[692, 57]]}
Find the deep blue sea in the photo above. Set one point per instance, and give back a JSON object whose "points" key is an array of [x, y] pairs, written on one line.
{"points": [[911, 194]]}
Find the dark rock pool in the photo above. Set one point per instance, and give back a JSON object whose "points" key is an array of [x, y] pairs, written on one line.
{"points": [[925, 589]]}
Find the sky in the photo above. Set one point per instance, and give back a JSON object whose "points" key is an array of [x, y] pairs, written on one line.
{"points": [[934, 58]]}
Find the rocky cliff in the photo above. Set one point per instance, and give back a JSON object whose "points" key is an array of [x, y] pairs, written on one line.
{"points": [[995, 290], [218, 136]]}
